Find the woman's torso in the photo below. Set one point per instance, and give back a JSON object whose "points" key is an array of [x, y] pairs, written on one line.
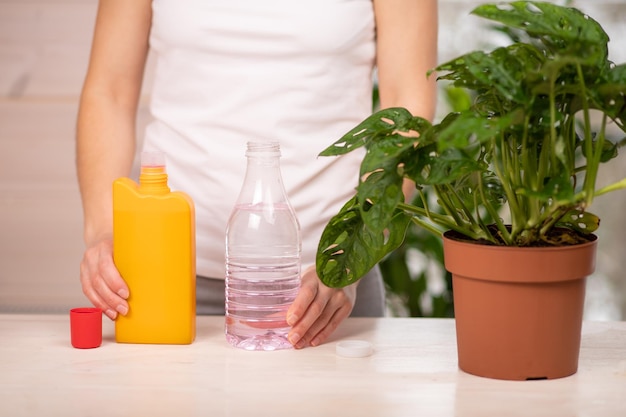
{"points": [[228, 72]]}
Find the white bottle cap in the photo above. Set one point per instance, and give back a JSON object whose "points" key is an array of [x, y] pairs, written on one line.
{"points": [[354, 348]]}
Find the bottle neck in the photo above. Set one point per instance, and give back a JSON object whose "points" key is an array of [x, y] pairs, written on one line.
{"points": [[153, 180], [263, 149], [263, 181]]}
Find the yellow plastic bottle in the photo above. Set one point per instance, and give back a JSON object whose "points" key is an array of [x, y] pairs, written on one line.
{"points": [[154, 251]]}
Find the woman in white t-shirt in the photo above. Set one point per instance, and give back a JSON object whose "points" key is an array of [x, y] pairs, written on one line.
{"points": [[226, 72]]}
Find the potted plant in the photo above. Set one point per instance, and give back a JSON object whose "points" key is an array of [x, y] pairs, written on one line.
{"points": [[531, 142]]}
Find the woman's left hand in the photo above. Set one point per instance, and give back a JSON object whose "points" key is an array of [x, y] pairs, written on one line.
{"points": [[317, 310]]}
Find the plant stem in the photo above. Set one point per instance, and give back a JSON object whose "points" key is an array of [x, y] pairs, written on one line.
{"points": [[612, 187], [508, 182], [427, 226], [506, 235], [592, 160], [441, 220]]}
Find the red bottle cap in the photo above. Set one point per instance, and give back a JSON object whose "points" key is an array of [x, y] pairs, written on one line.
{"points": [[86, 327]]}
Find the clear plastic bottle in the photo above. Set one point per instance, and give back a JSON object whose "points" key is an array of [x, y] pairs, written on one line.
{"points": [[263, 248]]}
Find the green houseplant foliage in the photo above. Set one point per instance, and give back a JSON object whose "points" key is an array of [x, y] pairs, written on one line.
{"points": [[532, 142]]}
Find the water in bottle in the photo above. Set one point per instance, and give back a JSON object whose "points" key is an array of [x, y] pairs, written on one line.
{"points": [[263, 247]]}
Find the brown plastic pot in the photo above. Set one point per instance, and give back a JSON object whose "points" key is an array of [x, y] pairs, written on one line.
{"points": [[518, 310]]}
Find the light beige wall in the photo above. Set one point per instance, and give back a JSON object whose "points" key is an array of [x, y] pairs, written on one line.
{"points": [[44, 47]]}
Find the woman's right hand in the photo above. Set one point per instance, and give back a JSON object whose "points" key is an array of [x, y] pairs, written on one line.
{"points": [[102, 283]]}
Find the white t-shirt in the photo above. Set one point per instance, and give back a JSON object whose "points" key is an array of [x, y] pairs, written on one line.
{"points": [[231, 71]]}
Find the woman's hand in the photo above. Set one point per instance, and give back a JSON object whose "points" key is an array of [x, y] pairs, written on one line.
{"points": [[317, 310], [101, 281]]}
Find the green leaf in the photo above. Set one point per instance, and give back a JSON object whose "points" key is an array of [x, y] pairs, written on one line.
{"points": [[503, 70], [378, 124], [451, 165], [416, 163], [610, 95], [379, 195], [581, 221], [348, 248], [560, 29], [381, 174], [609, 150], [617, 75], [460, 130], [557, 189], [458, 98], [385, 152]]}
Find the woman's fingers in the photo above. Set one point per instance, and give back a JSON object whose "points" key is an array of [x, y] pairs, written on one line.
{"points": [[317, 311], [101, 282]]}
